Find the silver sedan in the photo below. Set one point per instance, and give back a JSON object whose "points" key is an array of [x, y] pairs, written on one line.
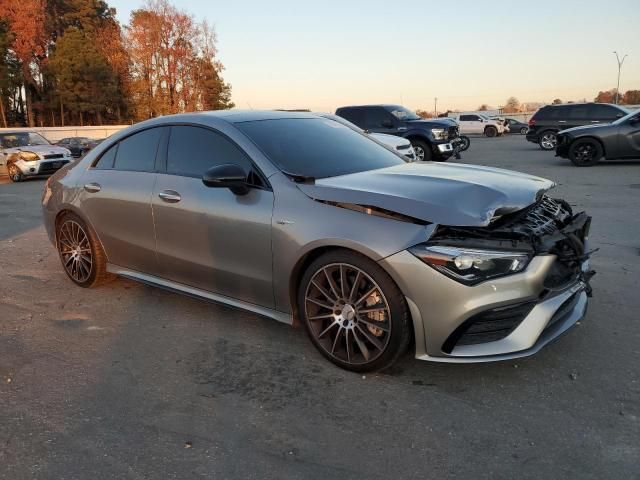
{"points": [[302, 219]]}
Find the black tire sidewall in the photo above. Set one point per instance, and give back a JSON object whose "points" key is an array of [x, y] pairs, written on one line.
{"points": [[400, 320], [523, 131], [466, 143], [490, 132], [428, 154], [574, 146], [546, 132]]}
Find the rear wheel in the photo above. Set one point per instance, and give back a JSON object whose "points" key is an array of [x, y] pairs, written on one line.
{"points": [[354, 313], [585, 153], [422, 150], [548, 140], [81, 254], [490, 131], [15, 174]]}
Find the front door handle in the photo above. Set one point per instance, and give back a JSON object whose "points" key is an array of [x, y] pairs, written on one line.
{"points": [[92, 187], [170, 196]]}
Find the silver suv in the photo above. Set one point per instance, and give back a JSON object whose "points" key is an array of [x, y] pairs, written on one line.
{"points": [[28, 154]]}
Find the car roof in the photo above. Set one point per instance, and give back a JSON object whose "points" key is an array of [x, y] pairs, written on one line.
{"points": [[238, 116], [580, 104], [384, 105]]}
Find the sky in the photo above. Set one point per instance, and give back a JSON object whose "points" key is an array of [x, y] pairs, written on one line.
{"points": [[322, 55]]}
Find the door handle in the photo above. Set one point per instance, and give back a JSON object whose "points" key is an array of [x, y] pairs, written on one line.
{"points": [[170, 196], [92, 187], [562, 121], [595, 121]]}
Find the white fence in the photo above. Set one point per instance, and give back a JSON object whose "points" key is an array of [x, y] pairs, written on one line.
{"points": [[53, 134]]}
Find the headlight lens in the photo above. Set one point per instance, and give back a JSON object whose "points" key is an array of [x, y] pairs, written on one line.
{"points": [[439, 133], [470, 266], [29, 156]]}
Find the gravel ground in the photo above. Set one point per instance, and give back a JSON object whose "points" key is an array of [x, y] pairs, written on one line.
{"points": [[129, 381]]}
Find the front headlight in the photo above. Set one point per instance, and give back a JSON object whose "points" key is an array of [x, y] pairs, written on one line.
{"points": [[471, 266], [439, 133], [29, 156]]}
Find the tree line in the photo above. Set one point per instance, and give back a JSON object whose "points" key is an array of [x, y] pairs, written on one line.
{"points": [[71, 62]]}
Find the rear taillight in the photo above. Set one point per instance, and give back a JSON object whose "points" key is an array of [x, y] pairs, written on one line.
{"points": [[532, 122]]}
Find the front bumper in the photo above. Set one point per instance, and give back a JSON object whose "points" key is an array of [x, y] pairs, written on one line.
{"points": [[562, 146], [440, 306], [443, 150], [41, 167]]}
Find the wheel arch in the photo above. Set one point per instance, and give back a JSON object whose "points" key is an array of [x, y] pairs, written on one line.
{"points": [[72, 209], [309, 257]]}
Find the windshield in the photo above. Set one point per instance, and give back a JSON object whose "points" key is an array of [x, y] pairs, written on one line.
{"points": [[626, 117], [317, 147], [402, 113], [21, 139]]}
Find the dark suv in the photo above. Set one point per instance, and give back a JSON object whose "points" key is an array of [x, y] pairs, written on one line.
{"points": [[550, 119], [431, 139]]}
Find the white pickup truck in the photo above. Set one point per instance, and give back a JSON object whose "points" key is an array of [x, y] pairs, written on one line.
{"points": [[477, 123]]}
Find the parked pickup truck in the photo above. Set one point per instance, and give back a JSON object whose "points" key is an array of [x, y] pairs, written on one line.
{"points": [[479, 124], [431, 139]]}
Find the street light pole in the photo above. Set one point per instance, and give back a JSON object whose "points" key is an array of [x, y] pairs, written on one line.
{"points": [[620, 62], [435, 106]]}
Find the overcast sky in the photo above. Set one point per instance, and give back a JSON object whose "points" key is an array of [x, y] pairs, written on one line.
{"points": [[320, 55]]}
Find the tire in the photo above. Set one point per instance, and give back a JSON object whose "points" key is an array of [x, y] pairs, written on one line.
{"points": [[466, 143], [15, 175], [422, 150], [80, 252], [524, 130], [361, 326], [490, 132], [585, 152], [548, 140]]}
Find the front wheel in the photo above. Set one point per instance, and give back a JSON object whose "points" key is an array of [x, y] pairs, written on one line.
{"points": [[524, 130], [422, 150], [585, 153], [548, 140], [15, 175], [465, 143], [490, 131], [354, 313]]}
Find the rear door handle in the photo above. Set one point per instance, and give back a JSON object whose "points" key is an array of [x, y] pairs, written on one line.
{"points": [[92, 187], [170, 196], [595, 121], [562, 121]]}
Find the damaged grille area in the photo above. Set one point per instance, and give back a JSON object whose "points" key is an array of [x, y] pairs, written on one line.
{"points": [[549, 226]]}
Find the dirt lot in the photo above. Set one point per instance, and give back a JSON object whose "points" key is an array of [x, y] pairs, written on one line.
{"points": [[129, 381]]}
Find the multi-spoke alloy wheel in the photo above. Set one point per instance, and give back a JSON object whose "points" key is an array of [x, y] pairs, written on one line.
{"points": [[350, 315], [75, 251], [548, 141], [80, 252], [14, 173]]}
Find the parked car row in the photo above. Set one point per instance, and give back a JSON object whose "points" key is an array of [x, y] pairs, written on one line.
{"points": [[585, 133]]}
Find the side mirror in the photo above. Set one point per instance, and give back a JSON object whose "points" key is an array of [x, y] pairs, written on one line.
{"points": [[387, 124], [229, 176]]}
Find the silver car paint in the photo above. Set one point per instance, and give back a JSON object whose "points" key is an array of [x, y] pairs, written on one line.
{"points": [[300, 225]]}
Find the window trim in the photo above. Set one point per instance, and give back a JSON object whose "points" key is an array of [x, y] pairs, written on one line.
{"points": [[165, 155]]}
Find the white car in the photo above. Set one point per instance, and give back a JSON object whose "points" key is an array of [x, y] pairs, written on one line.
{"points": [[399, 144], [476, 123], [28, 154]]}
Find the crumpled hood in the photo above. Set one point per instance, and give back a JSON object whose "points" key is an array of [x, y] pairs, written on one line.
{"points": [[39, 149], [390, 140], [431, 123], [447, 194]]}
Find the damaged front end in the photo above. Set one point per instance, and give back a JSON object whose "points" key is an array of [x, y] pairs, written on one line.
{"points": [[547, 227]]}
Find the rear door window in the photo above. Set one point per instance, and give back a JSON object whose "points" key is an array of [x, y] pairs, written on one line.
{"points": [[375, 117], [138, 152], [469, 118], [577, 112], [603, 112], [107, 159]]}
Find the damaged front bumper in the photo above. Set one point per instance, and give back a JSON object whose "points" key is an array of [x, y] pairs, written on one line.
{"points": [[502, 318]]}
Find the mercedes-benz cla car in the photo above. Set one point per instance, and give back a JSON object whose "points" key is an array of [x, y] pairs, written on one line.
{"points": [[302, 219]]}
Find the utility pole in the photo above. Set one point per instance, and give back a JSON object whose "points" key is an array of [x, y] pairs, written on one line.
{"points": [[435, 106], [620, 62]]}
